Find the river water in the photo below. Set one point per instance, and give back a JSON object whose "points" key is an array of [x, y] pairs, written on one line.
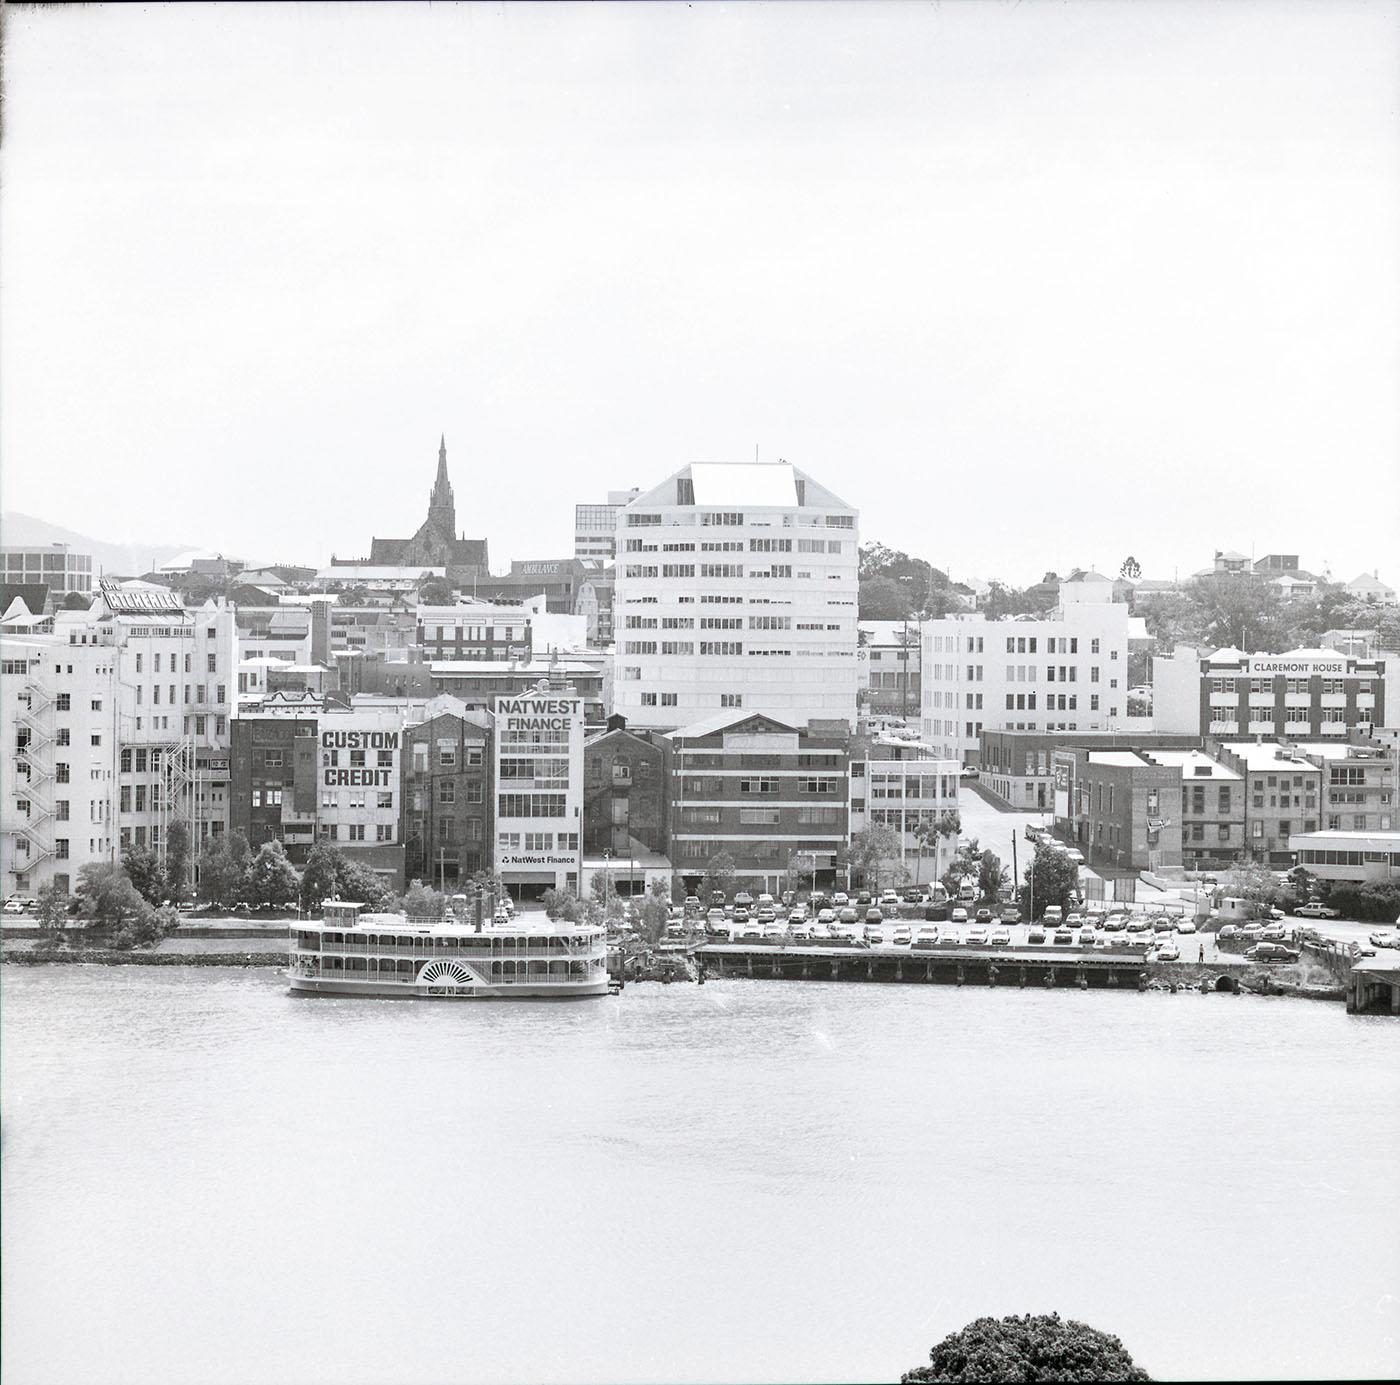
{"points": [[206, 1180]]}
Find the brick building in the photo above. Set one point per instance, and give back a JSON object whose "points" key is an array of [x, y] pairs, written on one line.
{"points": [[773, 797], [447, 794], [626, 791]]}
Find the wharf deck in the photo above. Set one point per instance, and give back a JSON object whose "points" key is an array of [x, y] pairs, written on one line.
{"points": [[958, 965]]}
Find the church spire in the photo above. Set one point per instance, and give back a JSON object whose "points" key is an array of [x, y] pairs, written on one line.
{"points": [[442, 508]]}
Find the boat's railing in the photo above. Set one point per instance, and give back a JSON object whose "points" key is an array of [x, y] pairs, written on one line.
{"points": [[468, 956]]}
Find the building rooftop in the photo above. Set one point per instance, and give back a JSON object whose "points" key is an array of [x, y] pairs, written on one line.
{"points": [[1194, 765], [1266, 755], [1126, 759], [744, 483]]}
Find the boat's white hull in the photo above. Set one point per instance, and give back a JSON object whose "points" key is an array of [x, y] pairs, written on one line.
{"points": [[564, 989]]}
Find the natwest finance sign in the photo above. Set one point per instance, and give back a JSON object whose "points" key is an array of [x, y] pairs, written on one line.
{"points": [[539, 788]]}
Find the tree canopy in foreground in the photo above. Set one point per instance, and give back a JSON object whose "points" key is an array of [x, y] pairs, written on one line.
{"points": [[1031, 1348]]}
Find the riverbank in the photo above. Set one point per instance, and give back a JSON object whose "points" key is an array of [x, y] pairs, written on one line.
{"points": [[110, 957]]}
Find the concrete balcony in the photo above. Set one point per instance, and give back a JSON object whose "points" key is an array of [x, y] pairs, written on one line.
{"points": [[1366, 701], [1297, 699], [1334, 728], [1334, 699], [1297, 728], [1224, 728], [1261, 728], [1219, 699], [1261, 700]]}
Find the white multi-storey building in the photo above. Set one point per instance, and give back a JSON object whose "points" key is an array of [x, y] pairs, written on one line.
{"points": [[595, 526], [899, 785], [118, 716], [57, 785], [1065, 671], [539, 790], [736, 588]]}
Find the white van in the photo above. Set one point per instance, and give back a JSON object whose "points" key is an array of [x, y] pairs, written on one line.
{"points": [[1053, 915]]}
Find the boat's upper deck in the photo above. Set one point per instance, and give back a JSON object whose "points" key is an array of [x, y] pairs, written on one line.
{"points": [[338, 918]]}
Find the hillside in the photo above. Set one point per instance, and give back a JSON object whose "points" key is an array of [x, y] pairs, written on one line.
{"points": [[118, 559]]}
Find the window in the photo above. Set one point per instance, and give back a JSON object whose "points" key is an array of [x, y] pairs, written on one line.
{"points": [[60, 809], [731, 699], [212, 663], [63, 702], [386, 798], [60, 772], [60, 848], [62, 736], [384, 832], [447, 791]]}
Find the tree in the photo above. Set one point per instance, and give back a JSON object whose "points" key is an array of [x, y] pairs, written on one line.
{"points": [[272, 879], [1131, 568], [563, 904], [358, 882], [875, 853], [967, 861], [720, 877], [1051, 878], [143, 869], [991, 876], [223, 868], [930, 830], [146, 930], [433, 591], [179, 850], [107, 896], [421, 901], [51, 913], [655, 911], [609, 907], [1042, 1347], [1254, 883], [320, 875]]}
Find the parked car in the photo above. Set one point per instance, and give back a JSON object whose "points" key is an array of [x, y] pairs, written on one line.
{"points": [[1001, 937], [864, 899], [949, 937], [958, 915], [889, 899], [840, 899], [914, 894], [692, 902], [977, 936], [1139, 923], [717, 899], [13, 905], [874, 914], [1115, 923], [1317, 911], [1010, 914], [1379, 939], [741, 914], [1036, 934], [874, 935], [1053, 916], [1274, 933], [1186, 925], [937, 912], [968, 772], [1075, 855], [1162, 924], [827, 916], [902, 935], [743, 900], [1227, 932], [1271, 952], [1168, 952], [1085, 937], [848, 915], [1063, 937], [765, 913], [984, 915], [789, 898]]}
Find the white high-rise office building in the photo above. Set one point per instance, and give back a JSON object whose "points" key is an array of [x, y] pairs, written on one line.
{"points": [[1064, 671], [736, 588]]}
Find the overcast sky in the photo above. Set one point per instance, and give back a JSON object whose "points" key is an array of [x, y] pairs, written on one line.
{"points": [[1031, 285]]}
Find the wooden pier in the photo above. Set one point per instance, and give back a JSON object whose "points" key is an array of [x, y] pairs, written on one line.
{"points": [[959, 965]]}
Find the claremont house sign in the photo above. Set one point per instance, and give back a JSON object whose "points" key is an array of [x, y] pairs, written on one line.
{"points": [[1298, 668]]}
